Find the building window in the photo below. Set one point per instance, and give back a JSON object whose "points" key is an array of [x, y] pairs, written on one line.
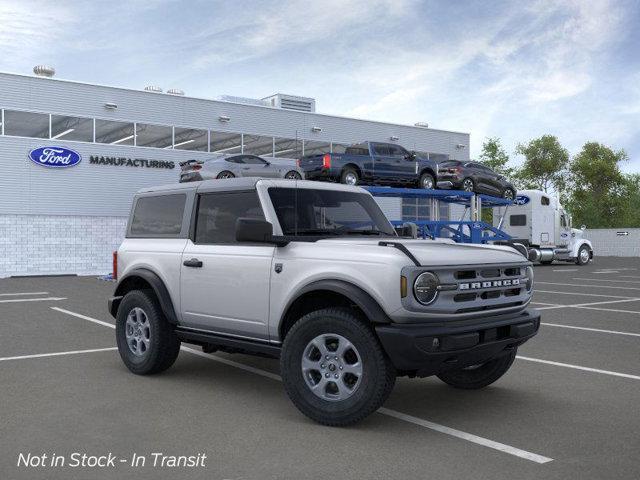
{"points": [[225, 142], [114, 133], [157, 136], [257, 145], [418, 209], [316, 148], [71, 128], [287, 148], [191, 139], [26, 124]]}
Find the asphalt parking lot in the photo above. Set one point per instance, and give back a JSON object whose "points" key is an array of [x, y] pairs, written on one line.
{"points": [[569, 407]]}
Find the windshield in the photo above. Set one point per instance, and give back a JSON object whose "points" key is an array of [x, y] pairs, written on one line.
{"points": [[305, 211]]}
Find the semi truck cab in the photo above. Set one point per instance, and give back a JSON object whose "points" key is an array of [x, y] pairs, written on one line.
{"points": [[538, 221]]}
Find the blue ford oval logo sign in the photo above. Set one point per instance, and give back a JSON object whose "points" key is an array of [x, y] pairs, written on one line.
{"points": [[521, 200], [56, 157]]}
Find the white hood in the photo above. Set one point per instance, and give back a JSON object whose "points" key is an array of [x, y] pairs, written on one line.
{"points": [[442, 252]]}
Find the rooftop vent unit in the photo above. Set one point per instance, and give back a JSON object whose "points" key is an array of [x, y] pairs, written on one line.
{"points": [[291, 102], [44, 71], [244, 100], [422, 124], [175, 91], [153, 88]]}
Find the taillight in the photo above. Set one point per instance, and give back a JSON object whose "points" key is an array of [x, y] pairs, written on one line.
{"points": [[298, 163], [197, 166], [326, 161], [115, 266]]}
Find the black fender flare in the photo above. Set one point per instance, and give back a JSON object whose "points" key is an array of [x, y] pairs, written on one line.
{"points": [[158, 286], [369, 306]]}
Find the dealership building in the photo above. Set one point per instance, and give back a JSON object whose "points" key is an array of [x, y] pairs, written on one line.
{"points": [[68, 220]]}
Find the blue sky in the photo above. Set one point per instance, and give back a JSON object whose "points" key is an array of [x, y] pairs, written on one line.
{"points": [[515, 70]]}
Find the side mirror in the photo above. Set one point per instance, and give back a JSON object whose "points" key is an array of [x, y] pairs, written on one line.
{"points": [[253, 230], [407, 229], [583, 227]]}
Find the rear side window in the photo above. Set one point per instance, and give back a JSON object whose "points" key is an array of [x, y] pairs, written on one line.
{"points": [[158, 216], [218, 212], [544, 200], [357, 151], [381, 149], [517, 220]]}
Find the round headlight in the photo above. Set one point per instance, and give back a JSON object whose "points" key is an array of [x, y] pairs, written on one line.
{"points": [[529, 275], [425, 288]]}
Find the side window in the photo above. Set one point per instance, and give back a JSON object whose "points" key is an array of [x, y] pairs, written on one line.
{"points": [[517, 220], [381, 149], [396, 151], [253, 160], [218, 212], [158, 216], [235, 159], [563, 221], [544, 200]]}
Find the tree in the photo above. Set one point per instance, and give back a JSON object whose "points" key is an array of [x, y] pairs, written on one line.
{"points": [[599, 191], [495, 157], [545, 164]]}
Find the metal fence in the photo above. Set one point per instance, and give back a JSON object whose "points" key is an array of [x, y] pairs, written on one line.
{"points": [[614, 242]]}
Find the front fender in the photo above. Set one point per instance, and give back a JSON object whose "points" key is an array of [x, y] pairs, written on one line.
{"points": [[579, 243]]}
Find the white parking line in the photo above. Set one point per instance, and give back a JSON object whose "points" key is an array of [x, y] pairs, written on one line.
{"points": [[84, 317], [384, 411], [16, 300], [605, 280], [467, 436], [585, 294], [57, 354], [579, 367], [628, 276], [609, 310], [552, 306], [23, 293], [590, 286], [565, 270], [590, 329], [541, 303]]}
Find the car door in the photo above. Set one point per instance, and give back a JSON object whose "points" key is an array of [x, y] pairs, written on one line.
{"points": [[382, 163], [258, 167], [403, 164], [492, 180], [479, 177], [224, 283]]}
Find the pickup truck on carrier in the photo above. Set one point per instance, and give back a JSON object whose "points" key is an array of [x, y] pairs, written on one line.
{"points": [[372, 163], [313, 273]]}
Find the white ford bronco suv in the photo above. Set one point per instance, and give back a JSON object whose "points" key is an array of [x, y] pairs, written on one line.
{"points": [[314, 274]]}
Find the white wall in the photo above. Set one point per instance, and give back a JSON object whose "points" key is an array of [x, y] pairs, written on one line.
{"points": [[608, 243], [55, 244]]}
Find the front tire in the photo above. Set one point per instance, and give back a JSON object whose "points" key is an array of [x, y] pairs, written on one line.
{"points": [[225, 174], [584, 255], [146, 342], [334, 369], [479, 376]]}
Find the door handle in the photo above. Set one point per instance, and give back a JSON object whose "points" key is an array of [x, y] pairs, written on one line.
{"points": [[246, 168], [194, 262]]}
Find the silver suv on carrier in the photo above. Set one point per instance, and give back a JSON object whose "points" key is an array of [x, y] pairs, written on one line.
{"points": [[314, 274]]}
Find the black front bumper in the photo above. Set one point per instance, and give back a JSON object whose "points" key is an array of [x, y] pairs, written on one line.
{"points": [[426, 350]]}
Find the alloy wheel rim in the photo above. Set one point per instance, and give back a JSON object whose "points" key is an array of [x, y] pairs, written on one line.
{"points": [[508, 194], [138, 331], [293, 176], [584, 255], [350, 179], [427, 183], [332, 367], [467, 186]]}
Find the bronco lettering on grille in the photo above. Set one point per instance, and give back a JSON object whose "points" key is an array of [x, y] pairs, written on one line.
{"points": [[491, 284]]}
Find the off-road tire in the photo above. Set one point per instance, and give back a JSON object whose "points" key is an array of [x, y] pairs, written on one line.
{"points": [[349, 171], [480, 377], [378, 376], [164, 345]]}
